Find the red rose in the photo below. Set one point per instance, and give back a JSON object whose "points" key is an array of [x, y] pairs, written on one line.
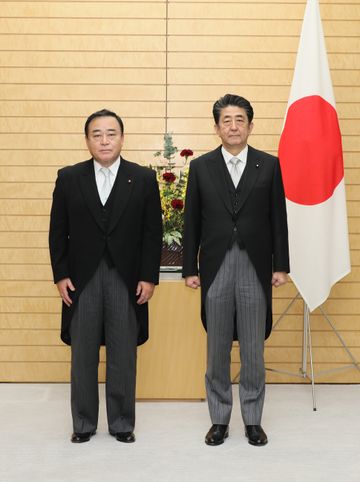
{"points": [[186, 153], [169, 177], [177, 203]]}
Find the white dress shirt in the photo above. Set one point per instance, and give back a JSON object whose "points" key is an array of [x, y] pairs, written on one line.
{"points": [[99, 177], [242, 156]]}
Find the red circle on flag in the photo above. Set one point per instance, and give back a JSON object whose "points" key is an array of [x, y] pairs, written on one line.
{"points": [[310, 151]]}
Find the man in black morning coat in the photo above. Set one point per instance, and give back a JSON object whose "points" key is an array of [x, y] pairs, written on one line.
{"points": [[235, 221], [105, 244]]}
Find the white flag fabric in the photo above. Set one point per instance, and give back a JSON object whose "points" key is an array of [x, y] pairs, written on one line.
{"points": [[310, 153]]}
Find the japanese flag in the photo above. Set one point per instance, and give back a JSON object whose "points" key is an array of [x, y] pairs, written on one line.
{"points": [[310, 154]]}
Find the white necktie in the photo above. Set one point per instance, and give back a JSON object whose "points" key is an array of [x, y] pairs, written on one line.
{"points": [[235, 172], [106, 185]]}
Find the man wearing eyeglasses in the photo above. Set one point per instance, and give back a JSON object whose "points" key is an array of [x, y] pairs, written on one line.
{"points": [[105, 245]]}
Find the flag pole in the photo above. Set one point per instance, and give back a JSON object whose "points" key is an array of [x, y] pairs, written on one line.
{"points": [[306, 324], [307, 347]]}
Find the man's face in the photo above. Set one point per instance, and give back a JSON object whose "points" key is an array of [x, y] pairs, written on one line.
{"points": [[233, 128], [104, 140]]}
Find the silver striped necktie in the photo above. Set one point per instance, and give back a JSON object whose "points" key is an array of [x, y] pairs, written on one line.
{"points": [[106, 185], [235, 172]]}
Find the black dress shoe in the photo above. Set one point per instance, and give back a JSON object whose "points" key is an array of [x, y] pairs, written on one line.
{"points": [[79, 438], [125, 437], [217, 434], [256, 435]]}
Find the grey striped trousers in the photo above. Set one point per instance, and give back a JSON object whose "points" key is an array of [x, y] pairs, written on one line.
{"points": [[103, 307], [235, 294]]}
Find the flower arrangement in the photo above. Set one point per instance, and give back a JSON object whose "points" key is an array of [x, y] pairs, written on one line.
{"points": [[172, 178]]}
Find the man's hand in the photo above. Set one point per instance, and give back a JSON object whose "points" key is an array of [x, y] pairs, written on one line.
{"points": [[279, 278], [144, 291], [192, 282], [63, 285]]}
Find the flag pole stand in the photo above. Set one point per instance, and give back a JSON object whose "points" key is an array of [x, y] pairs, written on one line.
{"points": [[307, 348]]}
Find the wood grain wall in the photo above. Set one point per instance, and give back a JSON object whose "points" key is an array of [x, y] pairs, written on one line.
{"points": [[160, 65]]}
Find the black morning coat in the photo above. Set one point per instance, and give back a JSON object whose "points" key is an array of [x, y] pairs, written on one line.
{"points": [[133, 237], [261, 220]]}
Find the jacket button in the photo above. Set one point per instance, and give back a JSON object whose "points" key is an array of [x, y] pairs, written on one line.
{"points": [[235, 228]]}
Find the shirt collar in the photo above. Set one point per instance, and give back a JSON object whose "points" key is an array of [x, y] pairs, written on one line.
{"points": [[242, 155], [113, 168]]}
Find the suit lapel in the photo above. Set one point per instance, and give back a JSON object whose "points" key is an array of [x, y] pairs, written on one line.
{"points": [[250, 175], [123, 189], [215, 166], [89, 191]]}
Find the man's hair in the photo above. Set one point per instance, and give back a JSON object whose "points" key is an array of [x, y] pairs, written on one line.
{"points": [[103, 113], [232, 99]]}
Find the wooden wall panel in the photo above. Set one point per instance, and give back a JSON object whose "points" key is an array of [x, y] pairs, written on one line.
{"points": [[96, 10], [81, 59], [161, 65], [83, 26], [85, 42]]}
